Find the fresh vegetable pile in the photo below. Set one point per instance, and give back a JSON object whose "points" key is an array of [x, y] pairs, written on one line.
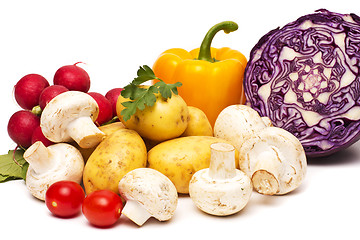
{"points": [[134, 149]]}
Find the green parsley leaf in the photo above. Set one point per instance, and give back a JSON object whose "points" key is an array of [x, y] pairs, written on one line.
{"points": [[145, 73], [167, 89], [140, 96], [9, 169], [132, 91]]}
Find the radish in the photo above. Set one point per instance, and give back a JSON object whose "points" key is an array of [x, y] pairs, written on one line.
{"points": [[73, 78], [28, 89], [113, 95], [105, 108], [21, 126], [49, 93], [39, 136]]}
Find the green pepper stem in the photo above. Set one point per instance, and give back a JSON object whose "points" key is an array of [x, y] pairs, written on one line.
{"points": [[205, 53]]}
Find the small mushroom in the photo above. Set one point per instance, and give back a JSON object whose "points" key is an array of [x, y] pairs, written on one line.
{"points": [[48, 165], [70, 116], [275, 160], [148, 193], [220, 189], [236, 122]]}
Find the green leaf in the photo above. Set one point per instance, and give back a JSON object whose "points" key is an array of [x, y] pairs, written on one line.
{"points": [[3, 178], [150, 97], [9, 169], [141, 96], [145, 73], [7, 178], [147, 98], [166, 90], [129, 110], [132, 91]]}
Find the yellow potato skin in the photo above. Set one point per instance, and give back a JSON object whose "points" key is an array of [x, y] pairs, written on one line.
{"points": [[111, 127], [166, 119], [119, 153], [180, 158], [198, 124]]}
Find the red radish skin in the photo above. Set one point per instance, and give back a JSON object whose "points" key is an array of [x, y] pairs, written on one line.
{"points": [[49, 93], [73, 78], [21, 126], [105, 108], [39, 136], [113, 95], [28, 89]]}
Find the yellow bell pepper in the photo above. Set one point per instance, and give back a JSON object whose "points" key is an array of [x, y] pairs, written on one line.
{"points": [[212, 78]]}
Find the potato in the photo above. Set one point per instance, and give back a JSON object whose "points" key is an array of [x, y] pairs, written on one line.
{"points": [[107, 129], [111, 127], [119, 153], [180, 158], [166, 119], [198, 124]]}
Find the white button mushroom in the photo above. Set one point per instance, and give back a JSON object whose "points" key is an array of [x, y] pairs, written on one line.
{"points": [[148, 193], [220, 189], [267, 121], [71, 115], [236, 122], [48, 165], [275, 160]]}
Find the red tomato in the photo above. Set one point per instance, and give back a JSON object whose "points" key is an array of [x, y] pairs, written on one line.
{"points": [[64, 198], [102, 208]]}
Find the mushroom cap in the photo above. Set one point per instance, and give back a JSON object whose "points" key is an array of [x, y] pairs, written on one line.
{"points": [[267, 121], [236, 122], [69, 165], [151, 189], [285, 147], [220, 197], [62, 110]]}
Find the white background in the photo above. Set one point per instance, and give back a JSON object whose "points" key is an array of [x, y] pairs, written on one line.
{"points": [[114, 38]]}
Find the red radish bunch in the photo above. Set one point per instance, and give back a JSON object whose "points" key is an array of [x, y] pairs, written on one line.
{"points": [[28, 89], [73, 78], [33, 92], [49, 93], [37, 135], [21, 127], [113, 95], [105, 108]]}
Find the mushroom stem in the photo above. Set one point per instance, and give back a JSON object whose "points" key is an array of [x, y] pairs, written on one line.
{"points": [[134, 211], [221, 189], [222, 162], [265, 176], [39, 157], [84, 132]]}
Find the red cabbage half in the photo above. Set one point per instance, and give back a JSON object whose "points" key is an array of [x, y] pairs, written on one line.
{"points": [[305, 78]]}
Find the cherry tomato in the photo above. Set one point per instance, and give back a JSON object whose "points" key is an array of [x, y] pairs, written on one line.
{"points": [[64, 198], [102, 208]]}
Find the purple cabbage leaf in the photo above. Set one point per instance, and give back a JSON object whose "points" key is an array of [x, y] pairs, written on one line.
{"points": [[305, 77]]}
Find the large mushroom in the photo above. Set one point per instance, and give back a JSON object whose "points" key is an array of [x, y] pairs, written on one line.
{"points": [[221, 189], [48, 165], [236, 122], [273, 157], [148, 193], [70, 116], [275, 160]]}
